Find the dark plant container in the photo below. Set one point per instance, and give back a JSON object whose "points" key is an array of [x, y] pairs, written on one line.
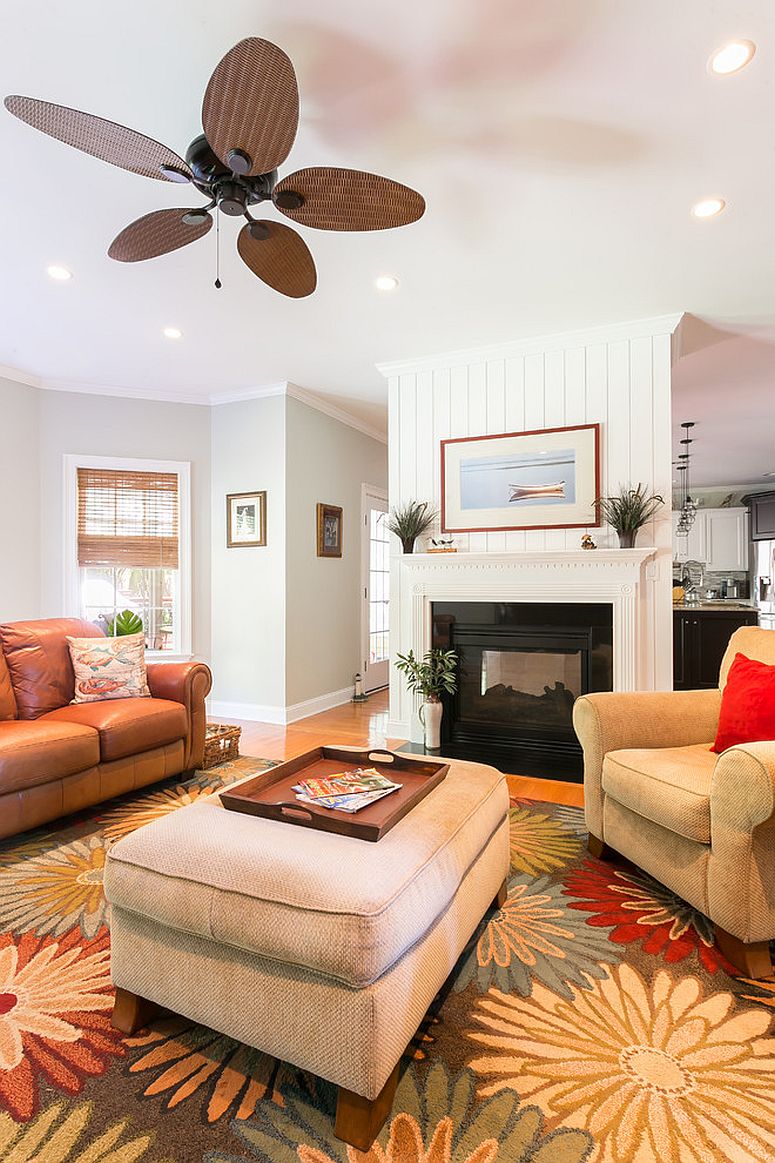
{"points": [[408, 544], [627, 538]]}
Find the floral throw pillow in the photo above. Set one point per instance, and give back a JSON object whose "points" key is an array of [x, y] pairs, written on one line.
{"points": [[109, 668]]}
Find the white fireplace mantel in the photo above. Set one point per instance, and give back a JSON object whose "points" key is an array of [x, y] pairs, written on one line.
{"points": [[615, 576]]}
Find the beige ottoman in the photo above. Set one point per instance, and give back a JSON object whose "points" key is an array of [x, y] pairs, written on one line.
{"points": [[322, 950]]}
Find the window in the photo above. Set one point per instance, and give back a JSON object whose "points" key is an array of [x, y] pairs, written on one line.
{"points": [[379, 586], [130, 537]]}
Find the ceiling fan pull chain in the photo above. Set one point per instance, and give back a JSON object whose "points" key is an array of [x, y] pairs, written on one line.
{"points": [[218, 283]]}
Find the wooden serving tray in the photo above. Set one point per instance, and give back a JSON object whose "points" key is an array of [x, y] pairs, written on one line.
{"points": [[271, 793]]}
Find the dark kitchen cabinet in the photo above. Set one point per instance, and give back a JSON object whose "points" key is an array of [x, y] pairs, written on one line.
{"points": [[762, 516], [700, 638]]}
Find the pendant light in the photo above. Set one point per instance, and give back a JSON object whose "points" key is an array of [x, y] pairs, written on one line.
{"points": [[688, 510]]}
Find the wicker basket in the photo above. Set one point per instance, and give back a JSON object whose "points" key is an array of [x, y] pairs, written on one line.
{"points": [[221, 744]]}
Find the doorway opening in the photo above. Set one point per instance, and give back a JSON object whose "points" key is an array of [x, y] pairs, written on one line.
{"points": [[375, 589]]}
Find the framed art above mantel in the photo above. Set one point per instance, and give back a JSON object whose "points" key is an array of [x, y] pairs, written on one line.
{"points": [[545, 479]]}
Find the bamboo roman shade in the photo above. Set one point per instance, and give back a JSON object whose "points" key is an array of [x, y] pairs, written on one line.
{"points": [[127, 518]]}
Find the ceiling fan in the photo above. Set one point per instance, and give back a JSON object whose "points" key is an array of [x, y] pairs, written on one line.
{"points": [[250, 115]]}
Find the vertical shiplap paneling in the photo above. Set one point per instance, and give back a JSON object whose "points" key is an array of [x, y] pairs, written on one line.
{"points": [[661, 624], [535, 539], [441, 428], [477, 426], [515, 422], [575, 394], [394, 493], [618, 426], [424, 438], [641, 439], [554, 417], [458, 421], [596, 371], [407, 437], [496, 422]]}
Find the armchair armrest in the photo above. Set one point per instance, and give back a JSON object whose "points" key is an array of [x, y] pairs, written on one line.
{"points": [[187, 683], [741, 873], [611, 721]]}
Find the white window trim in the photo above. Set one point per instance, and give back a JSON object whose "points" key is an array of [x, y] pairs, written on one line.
{"points": [[368, 493], [72, 582]]}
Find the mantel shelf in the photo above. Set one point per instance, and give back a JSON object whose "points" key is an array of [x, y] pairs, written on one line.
{"points": [[587, 557]]}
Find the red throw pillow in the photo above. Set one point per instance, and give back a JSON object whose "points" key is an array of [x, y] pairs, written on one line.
{"points": [[747, 705]]}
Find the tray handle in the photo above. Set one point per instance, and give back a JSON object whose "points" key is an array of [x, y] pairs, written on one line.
{"points": [[380, 756], [289, 808]]}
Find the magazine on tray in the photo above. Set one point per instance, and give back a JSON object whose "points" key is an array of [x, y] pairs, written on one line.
{"points": [[347, 791]]}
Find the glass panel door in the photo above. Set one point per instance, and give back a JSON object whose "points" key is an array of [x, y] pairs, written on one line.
{"points": [[376, 590]]}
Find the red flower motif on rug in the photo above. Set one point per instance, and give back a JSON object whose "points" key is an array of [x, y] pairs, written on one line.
{"points": [[55, 999], [637, 908]]}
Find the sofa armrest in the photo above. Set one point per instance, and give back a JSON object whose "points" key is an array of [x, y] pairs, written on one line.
{"points": [[610, 721], [741, 871], [187, 683]]}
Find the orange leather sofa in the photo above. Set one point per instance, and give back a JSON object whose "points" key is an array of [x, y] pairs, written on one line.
{"points": [[56, 758]]}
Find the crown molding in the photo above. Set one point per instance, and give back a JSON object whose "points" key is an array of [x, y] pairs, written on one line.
{"points": [[320, 404], [213, 400], [610, 333]]}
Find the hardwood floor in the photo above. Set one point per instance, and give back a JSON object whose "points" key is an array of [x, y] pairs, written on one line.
{"points": [[365, 724]]}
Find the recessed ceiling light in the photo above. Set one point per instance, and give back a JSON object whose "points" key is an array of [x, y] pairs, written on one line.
{"points": [[61, 274], [386, 283], [708, 207], [173, 333], [732, 57]]}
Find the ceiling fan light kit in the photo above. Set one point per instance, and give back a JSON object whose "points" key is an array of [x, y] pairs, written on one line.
{"points": [[250, 115]]}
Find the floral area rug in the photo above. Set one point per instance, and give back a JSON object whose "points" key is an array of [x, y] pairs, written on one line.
{"points": [[591, 1018]]}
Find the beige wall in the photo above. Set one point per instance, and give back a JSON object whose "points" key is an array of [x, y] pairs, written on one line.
{"points": [[72, 422], [326, 461], [19, 502], [248, 614]]}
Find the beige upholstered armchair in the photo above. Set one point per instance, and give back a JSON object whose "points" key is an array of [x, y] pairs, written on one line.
{"points": [[700, 823]]}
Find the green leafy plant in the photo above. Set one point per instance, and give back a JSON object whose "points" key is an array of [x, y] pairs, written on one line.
{"points": [[410, 521], [629, 509], [429, 676], [127, 622]]}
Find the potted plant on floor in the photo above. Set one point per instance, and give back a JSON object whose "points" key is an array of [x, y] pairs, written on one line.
{"points": [[410, 521], [628, 511], [430, 676]]}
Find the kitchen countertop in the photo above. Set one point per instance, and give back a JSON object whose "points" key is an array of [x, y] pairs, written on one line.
{"points": [[718, 605]]}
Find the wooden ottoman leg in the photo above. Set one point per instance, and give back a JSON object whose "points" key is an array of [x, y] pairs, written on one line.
{"points": [[358, 1119], [599, 848], [501, 896], [131, 1013]]}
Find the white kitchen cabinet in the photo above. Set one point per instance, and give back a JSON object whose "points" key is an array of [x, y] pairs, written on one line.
{"points": [[726, 540], [718, 538]]}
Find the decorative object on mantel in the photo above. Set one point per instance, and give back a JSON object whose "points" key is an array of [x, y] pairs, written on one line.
{"points": [[245, 519], [410, 521], [628, 511], [442, 545], [329, 530], [587, 542], [544, 479], [688, 510], [429, 677]]}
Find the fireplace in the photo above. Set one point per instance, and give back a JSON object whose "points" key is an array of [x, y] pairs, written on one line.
{"points": [[521, 666]]}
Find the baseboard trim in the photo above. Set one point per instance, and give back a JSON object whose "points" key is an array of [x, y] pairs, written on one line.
{"points": [[308, 707], [280, 716], [253, 712]]}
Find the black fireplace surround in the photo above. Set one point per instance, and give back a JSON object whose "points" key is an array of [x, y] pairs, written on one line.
{"points": [[521, 666]]}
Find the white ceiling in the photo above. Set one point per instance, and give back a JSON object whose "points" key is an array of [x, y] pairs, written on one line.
{"points": [[559, 145]]}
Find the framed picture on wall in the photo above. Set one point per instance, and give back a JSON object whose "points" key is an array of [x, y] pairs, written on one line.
{"points": [[548, 479], [329, 531], [245, 519]]}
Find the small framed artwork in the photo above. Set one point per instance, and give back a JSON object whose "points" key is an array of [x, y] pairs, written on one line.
{"points": [[245, 519], [329, 531], [548, 479]]}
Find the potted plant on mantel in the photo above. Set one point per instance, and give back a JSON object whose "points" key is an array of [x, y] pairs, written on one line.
{"points": [[429, 677], [410, 521], [628, 511]]}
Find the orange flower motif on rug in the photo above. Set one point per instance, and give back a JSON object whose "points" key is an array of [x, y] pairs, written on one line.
{"points": [[54, 999], [133, 814], [651, 1070], [56, 890]]}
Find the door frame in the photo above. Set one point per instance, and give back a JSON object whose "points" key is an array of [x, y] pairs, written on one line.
{"points": [[368, 493]]}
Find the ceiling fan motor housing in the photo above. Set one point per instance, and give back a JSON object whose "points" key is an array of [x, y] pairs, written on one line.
{"points": [[231, 189]]}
